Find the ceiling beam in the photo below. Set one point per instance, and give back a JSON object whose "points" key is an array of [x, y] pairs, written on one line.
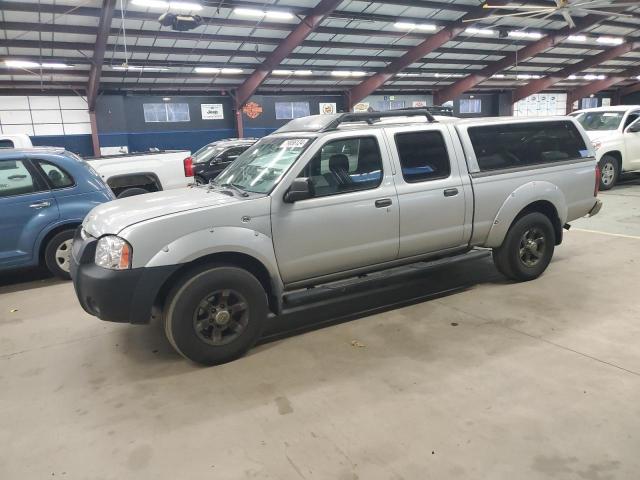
{"points": [[541, 84], [288, 45], [412, 55], [531, 50], [599, 85], [104, 27]]}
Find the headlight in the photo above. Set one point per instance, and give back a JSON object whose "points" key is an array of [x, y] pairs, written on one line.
{"points": [[114, 253], [596, 144]]}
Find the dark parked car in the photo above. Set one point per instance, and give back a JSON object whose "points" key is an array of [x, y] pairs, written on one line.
{"points": [[211, 159], [44, 195]]}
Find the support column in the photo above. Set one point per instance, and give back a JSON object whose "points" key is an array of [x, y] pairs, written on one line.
{"points": [[95, 139], [239, 124]]}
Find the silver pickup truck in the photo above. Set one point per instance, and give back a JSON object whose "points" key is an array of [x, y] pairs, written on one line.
{"points": [[326, 198]]}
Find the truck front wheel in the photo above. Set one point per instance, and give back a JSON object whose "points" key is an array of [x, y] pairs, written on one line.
{"points": [[216, 315], [610, 171], [527, 248]]}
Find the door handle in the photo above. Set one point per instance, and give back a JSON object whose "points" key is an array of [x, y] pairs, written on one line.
{"points": [[450, 192], [383, 202], [17, 177], [43, 204]]}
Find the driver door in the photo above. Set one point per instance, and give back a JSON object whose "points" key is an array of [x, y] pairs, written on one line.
{"points": [[632, 142], [351, 222]]}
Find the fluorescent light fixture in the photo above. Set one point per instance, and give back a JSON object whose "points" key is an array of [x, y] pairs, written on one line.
{"points": [[526, 76], [638, 77], [55, 65], [529, 35], [139, 68], [224, 71], [480, 31], [498, 75], [404, 74], [610, 40], [254, 12], [21, 64], [592, 76], [303, 72], [343, 73], [166, 99], [572, 77], [577, 38], [427, 27], [231, 71], [282, 72], [167, 5]]}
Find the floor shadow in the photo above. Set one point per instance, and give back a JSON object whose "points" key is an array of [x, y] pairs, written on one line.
{"points": [[26, 279]]}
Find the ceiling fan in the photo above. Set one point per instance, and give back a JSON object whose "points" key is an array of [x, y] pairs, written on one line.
{"points": [[563, 7]]}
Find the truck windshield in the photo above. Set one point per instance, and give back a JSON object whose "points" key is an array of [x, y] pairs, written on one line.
{"points": [[261, 167], [600, 120]]}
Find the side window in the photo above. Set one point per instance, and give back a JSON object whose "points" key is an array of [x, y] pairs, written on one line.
{"points": [[631, 118], [423, 156], [233, 153], [15, 179], [345, 165], [57, 177], [521, 144], [6, 143]]}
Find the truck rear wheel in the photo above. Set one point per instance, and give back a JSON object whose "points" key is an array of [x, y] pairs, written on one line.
{"points": [[216, 315], [609, 172], [527, 249]]}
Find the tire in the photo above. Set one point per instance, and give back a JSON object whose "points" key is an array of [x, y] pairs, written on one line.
{"points": [[200, 180], [57, 254], [209, 336], [610, 172], [130, 192], [520, 257]]}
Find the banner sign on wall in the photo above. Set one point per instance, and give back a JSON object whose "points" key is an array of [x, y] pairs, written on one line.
{"points": [[419, 103], [361, 107], [328, 108], [212, 111]]}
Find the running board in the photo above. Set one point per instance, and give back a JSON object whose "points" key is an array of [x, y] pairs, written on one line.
{"points": [[367, 282]]}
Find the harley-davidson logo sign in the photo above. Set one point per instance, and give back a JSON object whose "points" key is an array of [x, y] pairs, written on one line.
{"points": [[252, 110]]}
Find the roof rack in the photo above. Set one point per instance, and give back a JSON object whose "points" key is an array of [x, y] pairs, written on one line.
{"points": [[372, 117]]}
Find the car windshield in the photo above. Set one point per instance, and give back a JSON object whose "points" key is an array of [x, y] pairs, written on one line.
{"points": [[600, 120], [206, 153], [261, 167]]}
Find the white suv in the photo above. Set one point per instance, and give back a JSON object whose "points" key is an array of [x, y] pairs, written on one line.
{"points": [[615, 134]]}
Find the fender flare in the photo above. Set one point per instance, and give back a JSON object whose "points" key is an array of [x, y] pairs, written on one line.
{"points": [[214, 240], [518, 200]]}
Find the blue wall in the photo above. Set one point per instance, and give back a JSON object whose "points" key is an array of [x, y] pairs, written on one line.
{"points": [[80, 144]]}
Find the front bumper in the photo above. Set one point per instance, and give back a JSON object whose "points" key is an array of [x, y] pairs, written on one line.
{"points": [[115, 295], [596, 208]]}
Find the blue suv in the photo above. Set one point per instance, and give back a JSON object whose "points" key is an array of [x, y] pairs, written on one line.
{"points": [[44, 195]]}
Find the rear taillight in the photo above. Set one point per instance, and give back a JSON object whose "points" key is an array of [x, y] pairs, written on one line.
{"points": [[598, 178], [188, 167]]}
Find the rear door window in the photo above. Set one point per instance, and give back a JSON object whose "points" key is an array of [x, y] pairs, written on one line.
{"points": [[423, 156], [56, 176], [516, 145], [6, 143]]}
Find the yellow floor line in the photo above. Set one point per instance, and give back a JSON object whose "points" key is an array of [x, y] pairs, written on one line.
{"points": [[621, 235]]}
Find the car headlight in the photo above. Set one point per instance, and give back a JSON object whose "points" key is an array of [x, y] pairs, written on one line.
{"points": [[113, 253], [596, 144]]}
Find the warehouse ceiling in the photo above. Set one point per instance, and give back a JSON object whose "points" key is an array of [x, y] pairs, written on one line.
{"points": [[354, 42]]}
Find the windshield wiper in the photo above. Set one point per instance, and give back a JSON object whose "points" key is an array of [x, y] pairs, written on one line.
{"points": [[235, 187]]}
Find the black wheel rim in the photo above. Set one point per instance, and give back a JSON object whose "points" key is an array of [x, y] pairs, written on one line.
{"points": [[533, 245], [221, 317]]}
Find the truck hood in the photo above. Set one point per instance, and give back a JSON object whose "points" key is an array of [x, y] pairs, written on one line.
{"points": [[602, 135], [113, 217]]}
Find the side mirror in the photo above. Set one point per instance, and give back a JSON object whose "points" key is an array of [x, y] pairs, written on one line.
{"points": [[300, 189]]}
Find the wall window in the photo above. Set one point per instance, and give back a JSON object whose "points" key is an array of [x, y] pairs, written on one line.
{"points": [[516, 145], [591, 102], [15, 179], [166, 112], [423, 156], [58, 178], [291, 110], [44, 115], [470, 105], [345, 165]]}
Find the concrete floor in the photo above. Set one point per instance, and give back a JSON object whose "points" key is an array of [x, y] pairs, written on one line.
{"points": [[484, 380]]}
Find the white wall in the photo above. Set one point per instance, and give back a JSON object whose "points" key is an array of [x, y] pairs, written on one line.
{"points": [[44, 115], [541, 105]]}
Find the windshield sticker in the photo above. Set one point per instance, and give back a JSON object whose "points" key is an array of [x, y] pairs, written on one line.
{"points": [[294, 143]]}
